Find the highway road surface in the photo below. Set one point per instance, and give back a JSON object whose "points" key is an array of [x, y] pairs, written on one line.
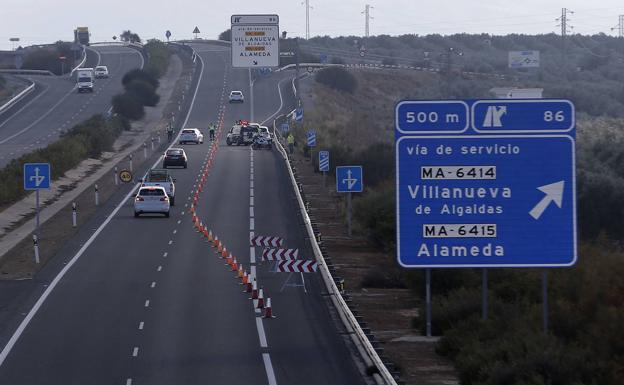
{"points": [[56, 106], [147, 300]]}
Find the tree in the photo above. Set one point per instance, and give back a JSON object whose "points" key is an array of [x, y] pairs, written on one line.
{"points": [[143, 91], [130, 36], [226, 35], [128, 106]]}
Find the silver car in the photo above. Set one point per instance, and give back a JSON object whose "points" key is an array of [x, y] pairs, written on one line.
{"points": [[151, 199]]}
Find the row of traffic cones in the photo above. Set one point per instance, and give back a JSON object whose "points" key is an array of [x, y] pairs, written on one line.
{"points": [[247, 280]]}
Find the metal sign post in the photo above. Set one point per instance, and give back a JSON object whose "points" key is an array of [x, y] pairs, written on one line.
{"points": [[349, 179], [486, 183], [324, 164]]}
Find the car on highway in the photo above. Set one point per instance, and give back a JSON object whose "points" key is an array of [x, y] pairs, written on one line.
{"points": [[236, 97], [175, 157], [152, 200], [101, 72], [191, 135], [160, 177], [241, 134], [263, 139]]}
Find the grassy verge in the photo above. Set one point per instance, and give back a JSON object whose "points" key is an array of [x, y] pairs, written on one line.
{"points": [[583, 345], [85, 140]]}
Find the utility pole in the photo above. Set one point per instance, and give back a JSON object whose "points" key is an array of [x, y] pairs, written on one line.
{"points": [[367, 18], [565, 29], [620, 26], [307, 5]]}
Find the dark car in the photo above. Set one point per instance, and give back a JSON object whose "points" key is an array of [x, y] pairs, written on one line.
{"points": [[175, 157]]}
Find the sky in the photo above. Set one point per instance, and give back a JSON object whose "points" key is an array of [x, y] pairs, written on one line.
{"points": [[46, 21]]}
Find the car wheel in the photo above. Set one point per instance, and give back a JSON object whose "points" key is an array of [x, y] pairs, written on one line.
{"points": [[167, 214]]}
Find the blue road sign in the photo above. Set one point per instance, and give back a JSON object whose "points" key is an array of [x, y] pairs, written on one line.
{"points": [[311, 136], [349, 179], [522, 116], [298, 115], [477, 200], [36, 176], [323, 58], [285, 128], [323, 161]]}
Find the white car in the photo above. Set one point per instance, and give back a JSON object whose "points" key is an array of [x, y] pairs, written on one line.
{"points": [[151, 199], [191, 135], [101, 72], [236, 97]]}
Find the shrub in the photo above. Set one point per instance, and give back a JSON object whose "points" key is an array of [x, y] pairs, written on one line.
{"points": [[158, 58], [143, 92], [375, 213], [387, 279], [139, 74], [128, 106], [337, 78], [226, 35]]}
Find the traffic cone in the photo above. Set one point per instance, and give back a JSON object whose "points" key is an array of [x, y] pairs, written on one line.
{"points": [[240, 271], [210, 238], [219, 246], [234, 265], [199, 227], [224, 253], [260, 299], [245, 278], [249, 287], [254, 290], [268, 310]]}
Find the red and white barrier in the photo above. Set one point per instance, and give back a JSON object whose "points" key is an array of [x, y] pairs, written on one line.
{"points": [[260, 240], [297, 266], [280, 254]]}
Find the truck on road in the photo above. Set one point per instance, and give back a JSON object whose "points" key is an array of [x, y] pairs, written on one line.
{"points": [[81, 35], [85, 78], [161, 177]]}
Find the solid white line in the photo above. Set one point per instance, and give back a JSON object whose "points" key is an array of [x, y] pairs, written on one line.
{"points": [[252, 224], [252, 255], [47, 87], [253, 270], [141, 325], [261, 335], [135, 351], [269, 368], [251, 199]]}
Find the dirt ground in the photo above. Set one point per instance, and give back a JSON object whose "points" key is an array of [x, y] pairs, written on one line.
{"points": [[387, 312]]}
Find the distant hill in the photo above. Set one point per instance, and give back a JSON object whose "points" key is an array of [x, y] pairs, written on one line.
{"points": [[591, 73]]}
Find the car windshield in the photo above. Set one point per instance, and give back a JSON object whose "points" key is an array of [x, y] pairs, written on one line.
{"points": [[151, 192], [84, 80], [188, 131], [174, 152]]}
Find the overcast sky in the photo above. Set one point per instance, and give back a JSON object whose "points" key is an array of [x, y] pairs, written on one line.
{"points": [[46, 21]]}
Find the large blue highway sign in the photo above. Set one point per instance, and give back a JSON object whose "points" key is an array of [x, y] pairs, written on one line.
{"points": [[349, 179], [36, 176], [487, 197]]}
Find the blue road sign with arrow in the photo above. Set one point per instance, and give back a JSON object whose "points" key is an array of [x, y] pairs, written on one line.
{"points": [[349, 179], [501, 193], [323, 161], [36, 176]]}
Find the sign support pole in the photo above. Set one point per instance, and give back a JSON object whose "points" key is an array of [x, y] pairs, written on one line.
{"points": [[37, 211], [428, 299], [349, 214], [545, 300], [484, 294], [324, 178], [251, 97]]}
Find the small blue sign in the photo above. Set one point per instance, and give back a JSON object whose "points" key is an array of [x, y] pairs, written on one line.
{"points": [[36, 176], [349, 179], [323, 58], [311, 136], [481, 200], [298, 115], [285, 128], [522, 116], [323, 161], [432, 117]]}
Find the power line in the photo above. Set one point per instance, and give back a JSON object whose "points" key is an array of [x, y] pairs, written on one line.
{"points": [[620, 26]]}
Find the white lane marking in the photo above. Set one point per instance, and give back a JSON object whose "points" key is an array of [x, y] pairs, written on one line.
{"points": [[135, 351], [251, 201], [252, 184], [253, 270], [129, 381], [153, 285], [159, 268], [261, 335], [175, 231], [251, 192], [279, 91], [251, 211], [180, 220], [251, 177], [252, 224], [252, 255], [269, 369], [165, 254], [170, 242], [141, 325], [147, 303]]}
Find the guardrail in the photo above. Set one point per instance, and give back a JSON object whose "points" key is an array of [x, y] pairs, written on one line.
{"points": [[17, 98], [82, 62], [353, 328], [27, 72]]}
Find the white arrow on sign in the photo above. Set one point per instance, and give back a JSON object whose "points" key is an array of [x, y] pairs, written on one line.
{"points": [[38, 179], [554, 193], [349, 180]]}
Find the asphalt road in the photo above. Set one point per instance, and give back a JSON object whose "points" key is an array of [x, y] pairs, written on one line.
{"points": [[56, 105], [148, 301]]}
